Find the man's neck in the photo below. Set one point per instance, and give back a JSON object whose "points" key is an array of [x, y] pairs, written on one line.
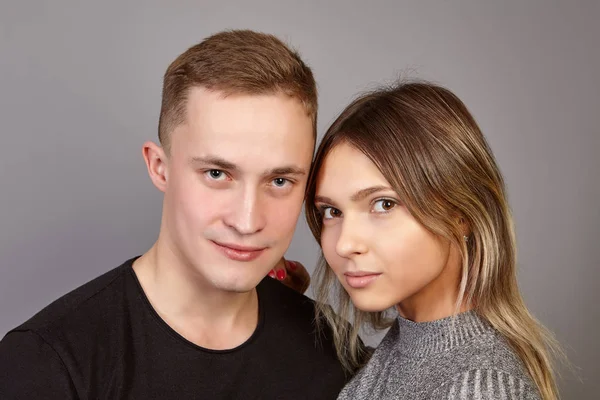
{"points": [[202, 314]]}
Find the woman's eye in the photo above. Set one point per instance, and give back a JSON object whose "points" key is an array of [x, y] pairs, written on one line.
{"points": [[384, 205], [330, 212], [216, 174]]}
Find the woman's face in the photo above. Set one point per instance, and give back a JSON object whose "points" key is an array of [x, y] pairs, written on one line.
{"points": [[382, 256]]}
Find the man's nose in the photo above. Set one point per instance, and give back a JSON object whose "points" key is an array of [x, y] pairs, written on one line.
{"points": [[248, 214]]}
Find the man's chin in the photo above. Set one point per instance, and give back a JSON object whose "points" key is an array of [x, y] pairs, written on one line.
{"points": [[239, 286], [239, 289]]}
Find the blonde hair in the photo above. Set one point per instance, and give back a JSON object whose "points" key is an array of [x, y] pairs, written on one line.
{"points": [[430, 149]]}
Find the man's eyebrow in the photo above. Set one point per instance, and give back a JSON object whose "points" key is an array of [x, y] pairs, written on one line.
{"points": [[221, 163], [288, 170], [358, 196], [215, 161]]}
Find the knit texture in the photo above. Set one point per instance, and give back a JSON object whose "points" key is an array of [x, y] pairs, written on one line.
{"points": [[459, 357]]}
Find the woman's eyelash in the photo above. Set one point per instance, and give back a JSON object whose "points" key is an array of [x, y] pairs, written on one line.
{"points": [[321, 209]]}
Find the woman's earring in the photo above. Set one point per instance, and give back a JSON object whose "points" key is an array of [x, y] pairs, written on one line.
{"points": [[461, 221]]}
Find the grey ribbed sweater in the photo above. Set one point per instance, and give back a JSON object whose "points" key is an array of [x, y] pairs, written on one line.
{"points": [[429, 360]]}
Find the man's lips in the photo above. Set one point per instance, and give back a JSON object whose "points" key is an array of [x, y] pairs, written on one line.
{"points": [[238, 252], [239, 247]]}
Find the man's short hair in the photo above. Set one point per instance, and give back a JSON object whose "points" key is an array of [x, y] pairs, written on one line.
{"points": [[235, 62]]}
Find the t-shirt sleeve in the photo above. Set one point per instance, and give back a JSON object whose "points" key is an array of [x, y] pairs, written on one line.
{"points": [[31, 369]]}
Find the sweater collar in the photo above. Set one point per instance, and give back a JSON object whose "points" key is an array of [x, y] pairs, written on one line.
{"points": [[423, 338]]}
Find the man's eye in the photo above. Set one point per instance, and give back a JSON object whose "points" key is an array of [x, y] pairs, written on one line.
{"points": [[280, 182], [216, 174]]}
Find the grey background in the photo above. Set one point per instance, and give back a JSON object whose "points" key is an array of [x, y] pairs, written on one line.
{"points": [[80, 91]]}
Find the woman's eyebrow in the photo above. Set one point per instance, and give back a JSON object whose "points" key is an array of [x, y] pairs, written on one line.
{"points": [[358, 196]]}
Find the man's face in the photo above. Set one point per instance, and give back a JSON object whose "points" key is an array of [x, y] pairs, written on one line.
{"points": [[235, 181]]}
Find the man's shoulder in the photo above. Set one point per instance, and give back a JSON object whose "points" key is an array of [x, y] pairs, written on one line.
{"points": [[290, 322], [292, 314], [75, 337], [274, 295], [80, 304]]}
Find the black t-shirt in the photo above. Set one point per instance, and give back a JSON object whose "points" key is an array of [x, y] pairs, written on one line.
{"points": [[105, 341]]}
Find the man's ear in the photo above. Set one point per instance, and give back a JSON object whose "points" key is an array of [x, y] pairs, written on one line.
{"points": [[156, 163]]}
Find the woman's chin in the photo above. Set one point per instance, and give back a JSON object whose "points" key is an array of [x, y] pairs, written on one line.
{"points": [[371, 305]]}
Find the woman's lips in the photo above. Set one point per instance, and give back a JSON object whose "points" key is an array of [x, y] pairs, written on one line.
{"points": [[360, 279]]}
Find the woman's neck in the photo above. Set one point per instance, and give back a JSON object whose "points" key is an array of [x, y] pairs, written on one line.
{"points": [[439, 298]]}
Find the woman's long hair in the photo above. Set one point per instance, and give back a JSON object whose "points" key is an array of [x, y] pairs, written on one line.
{"points": [[430, 149]]}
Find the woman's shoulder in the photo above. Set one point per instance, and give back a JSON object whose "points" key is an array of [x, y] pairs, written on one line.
{"points": [[493, 352], [486, 384], [487, 368]]}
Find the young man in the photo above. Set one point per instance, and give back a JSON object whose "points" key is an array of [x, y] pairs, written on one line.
{"points": [[195, 317]]}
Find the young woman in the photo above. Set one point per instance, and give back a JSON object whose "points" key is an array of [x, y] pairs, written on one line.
{"points": [[410, 209]]}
